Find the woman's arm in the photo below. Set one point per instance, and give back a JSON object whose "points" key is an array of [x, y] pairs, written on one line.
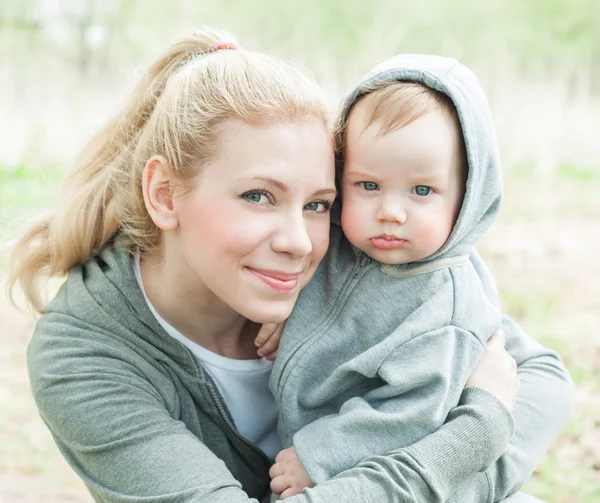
{"points": [[544, 403], [114, 429]]}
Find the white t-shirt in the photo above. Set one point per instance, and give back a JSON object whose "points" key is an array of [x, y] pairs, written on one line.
{"points": [[244, 385]]}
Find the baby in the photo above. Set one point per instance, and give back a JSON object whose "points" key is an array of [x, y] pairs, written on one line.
{"points": [[386, 334]]}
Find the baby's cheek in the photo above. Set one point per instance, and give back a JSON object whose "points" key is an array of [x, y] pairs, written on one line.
{"points": [[435, 231], [353, 223], [347, 225]]}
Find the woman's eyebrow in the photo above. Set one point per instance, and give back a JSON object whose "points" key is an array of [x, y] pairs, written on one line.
{"points": [[325, 192], [280, 185], [284, 188]]}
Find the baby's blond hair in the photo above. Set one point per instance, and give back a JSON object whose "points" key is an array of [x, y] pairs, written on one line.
{"points": [[394, 106]]}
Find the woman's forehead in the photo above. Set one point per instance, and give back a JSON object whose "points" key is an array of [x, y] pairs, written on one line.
{"points": [[269, 149]]}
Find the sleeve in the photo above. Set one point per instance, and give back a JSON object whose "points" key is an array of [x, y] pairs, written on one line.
{"points": [[544, 403], [475, 433], [420, 381], [115, 431]]}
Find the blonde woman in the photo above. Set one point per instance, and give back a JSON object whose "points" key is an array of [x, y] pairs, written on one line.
{"points": [[196, 215]]}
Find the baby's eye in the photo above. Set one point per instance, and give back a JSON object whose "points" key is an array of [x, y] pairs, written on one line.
{"points": [[369, 186], [422, 190]]}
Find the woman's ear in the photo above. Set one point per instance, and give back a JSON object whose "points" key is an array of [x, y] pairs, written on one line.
{"points": [[157, 188]]}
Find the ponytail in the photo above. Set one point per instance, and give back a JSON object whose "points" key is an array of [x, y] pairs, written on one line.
{"points": [[172, 112]]}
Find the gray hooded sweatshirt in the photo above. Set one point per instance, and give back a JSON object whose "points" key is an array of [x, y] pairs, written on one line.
{"points": [[376, 355], [140, 420]]}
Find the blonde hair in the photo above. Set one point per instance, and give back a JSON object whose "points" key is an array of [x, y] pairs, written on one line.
{"points": [[173, 112], [395, 106]]}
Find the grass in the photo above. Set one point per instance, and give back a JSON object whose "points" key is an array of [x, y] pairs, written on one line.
{"points": [[581, 173], [543, 255], [23, 192]]}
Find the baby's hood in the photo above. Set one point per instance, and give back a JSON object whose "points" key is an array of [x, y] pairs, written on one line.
{"points": [[484, 181]]}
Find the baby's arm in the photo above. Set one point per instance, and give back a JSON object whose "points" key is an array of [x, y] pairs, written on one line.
{"points": [[474, 434], [544, 402], [288, 475], [420, 381]]}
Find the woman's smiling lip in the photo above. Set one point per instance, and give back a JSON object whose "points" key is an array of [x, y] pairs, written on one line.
{"points": [[276, 280], [387, 242]]}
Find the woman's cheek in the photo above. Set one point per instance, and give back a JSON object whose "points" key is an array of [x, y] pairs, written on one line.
{"points": [[320, 238], [248, 231], [226, 228]]}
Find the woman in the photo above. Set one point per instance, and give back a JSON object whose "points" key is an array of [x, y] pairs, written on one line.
{"points": [[194, 216]]}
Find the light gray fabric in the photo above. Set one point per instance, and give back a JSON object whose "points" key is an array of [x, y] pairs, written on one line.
{"points": [[376, 356], [140, 421], [522, 498]]}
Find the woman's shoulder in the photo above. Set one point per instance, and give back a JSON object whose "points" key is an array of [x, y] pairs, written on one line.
{"points": [[66, 344], [94, 317], [99, 299], [68, 358]]}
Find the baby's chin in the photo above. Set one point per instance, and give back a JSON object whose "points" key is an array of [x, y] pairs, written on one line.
{"points": [[389, 257], [403, 255]]}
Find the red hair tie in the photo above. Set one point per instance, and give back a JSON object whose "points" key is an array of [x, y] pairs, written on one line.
{"points": [[232, 46]]}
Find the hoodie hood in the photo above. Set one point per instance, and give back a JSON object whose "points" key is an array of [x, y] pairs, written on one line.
{"points": [[483, 193]]}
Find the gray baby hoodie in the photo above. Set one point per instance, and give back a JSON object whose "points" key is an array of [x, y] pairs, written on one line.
{"points": [[376, 355]]}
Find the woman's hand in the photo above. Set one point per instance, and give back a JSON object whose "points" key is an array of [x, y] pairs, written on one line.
{"points": [[288, 476], [268, 339], [496, 372]]}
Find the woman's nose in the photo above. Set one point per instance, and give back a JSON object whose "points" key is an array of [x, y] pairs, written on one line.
{"points": [[293, 238]]}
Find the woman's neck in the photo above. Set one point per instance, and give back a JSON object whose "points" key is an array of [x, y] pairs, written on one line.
{"points": [[195, 311]]}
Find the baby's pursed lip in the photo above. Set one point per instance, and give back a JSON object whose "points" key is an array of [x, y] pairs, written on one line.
{"points": [[389, 237], [387, 242]]}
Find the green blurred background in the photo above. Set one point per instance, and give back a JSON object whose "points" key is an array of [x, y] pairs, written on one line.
{"points": [[66, 65]]}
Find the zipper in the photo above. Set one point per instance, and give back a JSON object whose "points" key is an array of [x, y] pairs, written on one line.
{"points": [[221, 408], [226, 416], [363, 262], [361, 266]]}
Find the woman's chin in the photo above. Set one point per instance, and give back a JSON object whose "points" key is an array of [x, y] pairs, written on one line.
{"points": [[271, 314]]}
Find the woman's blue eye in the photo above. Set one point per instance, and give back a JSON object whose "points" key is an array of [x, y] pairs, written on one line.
{"points": [[369, 186], [422, 190], [256, 196], [318, 206]]}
